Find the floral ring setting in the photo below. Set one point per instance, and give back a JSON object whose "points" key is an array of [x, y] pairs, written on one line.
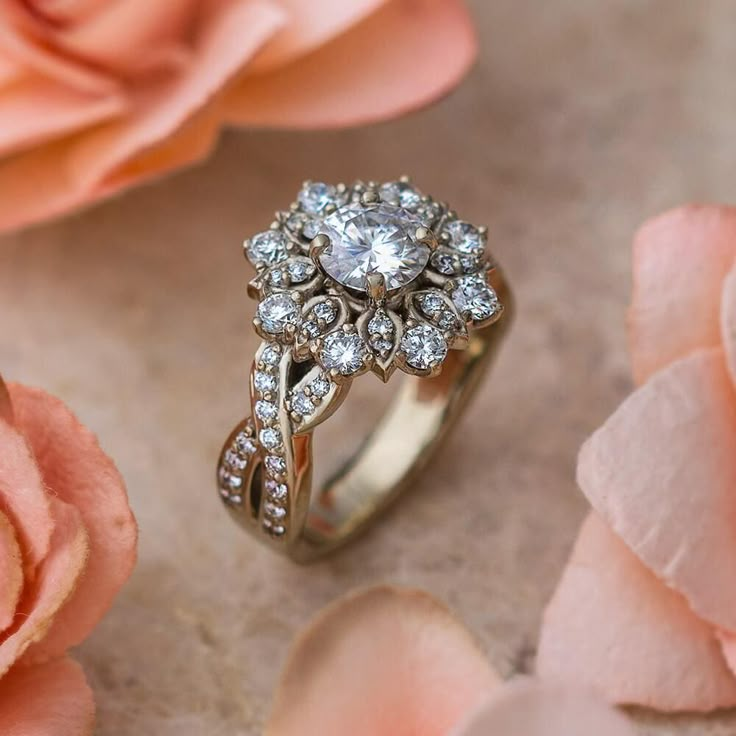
{"points": [[351, 279]]}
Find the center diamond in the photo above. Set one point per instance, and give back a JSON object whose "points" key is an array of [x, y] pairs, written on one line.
{"points": [[374, 238]]}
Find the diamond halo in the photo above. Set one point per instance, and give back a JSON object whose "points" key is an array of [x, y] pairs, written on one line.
{"points": [[337, 277]]}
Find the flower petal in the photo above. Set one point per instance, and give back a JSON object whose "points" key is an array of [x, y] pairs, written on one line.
{"points": [[51, 699], [222, 48], [662, 472], [528, 708], [680, 261], [11, 573], [77, 471], [128, 36], [36, 110], [309, 26], [23, 498], [57, 577], [728, 321], [611, 625], [25, 41], [383, 660], [398, 59], [172, 128]]}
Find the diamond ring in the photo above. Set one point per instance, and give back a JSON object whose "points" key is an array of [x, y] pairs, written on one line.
{"points": [[366, 278]]}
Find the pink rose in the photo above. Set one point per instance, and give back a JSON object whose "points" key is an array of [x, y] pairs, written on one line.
{"points": [[67, 544], [96, 95], [393, 661], [646, 609]]}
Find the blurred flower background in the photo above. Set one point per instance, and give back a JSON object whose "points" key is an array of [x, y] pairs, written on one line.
{"points": [[96, 95], [580, 121]]}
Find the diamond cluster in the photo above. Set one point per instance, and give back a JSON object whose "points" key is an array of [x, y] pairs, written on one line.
{"points": [[323, 300]]}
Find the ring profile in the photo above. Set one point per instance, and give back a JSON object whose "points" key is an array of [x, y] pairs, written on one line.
{"points": [[350, 280]]}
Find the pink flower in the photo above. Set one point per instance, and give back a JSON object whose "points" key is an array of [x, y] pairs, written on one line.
{"points": [[392, 661], [646, 609], [67, 544], [96, 95]]}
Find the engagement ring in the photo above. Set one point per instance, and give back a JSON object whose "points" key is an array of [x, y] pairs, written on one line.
{"points": [[367, 278]]}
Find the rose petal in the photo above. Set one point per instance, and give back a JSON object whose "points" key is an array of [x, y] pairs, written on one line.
{"points": [[228, 41], [528, 708], [23, 498], [127, 36], [382, 661], [51, 699], [662, 472], [728, 321], [383, 67], [77, 471], [11, 573], [36, 110], [680, 261], [309, 26], [57, 577], [611, 625], [24, 39], [173, 128]]}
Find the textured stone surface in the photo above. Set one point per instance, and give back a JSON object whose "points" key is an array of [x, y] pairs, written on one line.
{"points": [[581, 120]]}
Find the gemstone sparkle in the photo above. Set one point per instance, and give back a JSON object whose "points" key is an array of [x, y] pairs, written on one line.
{"points": [[369, 239]]}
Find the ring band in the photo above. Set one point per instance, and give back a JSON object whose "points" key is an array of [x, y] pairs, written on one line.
{"points": [[355, 279]]}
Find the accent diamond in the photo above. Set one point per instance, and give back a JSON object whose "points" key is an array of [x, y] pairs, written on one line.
{"points": [[475, 299], [402, 194], [464, 237], [267, 248], [378, 238], [277, 311], [275, 464], [266, 410], [319, 387], [314, 197], [270, 438], [343, 352], [264, 382], [302, 404], [424, 347]]}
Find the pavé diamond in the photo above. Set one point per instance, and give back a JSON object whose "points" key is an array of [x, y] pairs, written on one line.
{"points": [[245, 444], [270, 438], [275, 464], [423, 346], [343, 352], [274, 511], [264, 382], [277, 311], [266, 410], [475, 299], [302, 404], [374, 238], [267, 248], [271, 355], [319, 387], [277, 491], [234, 460]]}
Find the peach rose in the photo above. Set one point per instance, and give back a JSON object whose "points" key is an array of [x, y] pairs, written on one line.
{"points": [[67, 544], [393, 661], [96, 95], [646, 609]]}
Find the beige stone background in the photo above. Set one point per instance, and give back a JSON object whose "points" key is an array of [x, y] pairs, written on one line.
{"points": [[580, 120]]}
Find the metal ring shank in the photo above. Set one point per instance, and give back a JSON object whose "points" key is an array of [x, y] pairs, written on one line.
{"points": [[388, 461]]}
